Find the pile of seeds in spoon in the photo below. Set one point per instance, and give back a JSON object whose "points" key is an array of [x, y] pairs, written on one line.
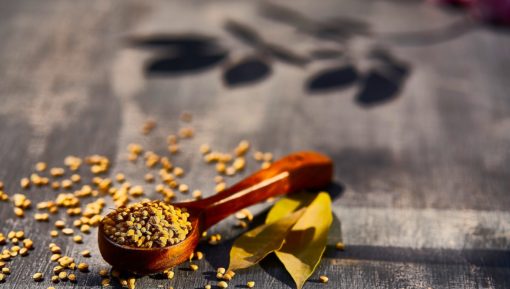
{"points": [[147, 225]]}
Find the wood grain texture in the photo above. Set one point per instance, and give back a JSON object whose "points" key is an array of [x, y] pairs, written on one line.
{"points": [[418, 125]]}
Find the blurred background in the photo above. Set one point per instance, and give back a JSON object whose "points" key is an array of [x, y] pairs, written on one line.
{"points": [[410, 99]]}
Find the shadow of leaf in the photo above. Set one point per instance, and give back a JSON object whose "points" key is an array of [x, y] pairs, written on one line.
{"points": [[180, 53], [332, 78], [377, 88], [188, 62], [383, 83], [184, 43], [249, 70]]}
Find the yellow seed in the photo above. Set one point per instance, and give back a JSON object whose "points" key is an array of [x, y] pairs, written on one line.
{"points": [[2, 277], [220, 187], [6, 270], [78, 239], [20, 235], [105, 282], [19, 212], [265, 165], [193, 267], [149, 178], [85, 228], [222, 284], [170, 274], [199, 255], [242, 148], [208, 286], [67, 231], [55, 279], [40, 166], [221, 167], [103, 272], [120, 177], [250, 284], [258, 156], [51, 287], [85, 253], [324, 279], [204, 149], [53, 233], [220, 270], [57, 172], [83, 267], [38, 277], [131, 282], [340, 246], [60, 224], [62, 276], [76, 178], [183, 188], [25, 183], [71, 277], [197, 194]]}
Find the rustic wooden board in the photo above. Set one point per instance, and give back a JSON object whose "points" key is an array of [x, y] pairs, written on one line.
{"points": [[411, 101]]}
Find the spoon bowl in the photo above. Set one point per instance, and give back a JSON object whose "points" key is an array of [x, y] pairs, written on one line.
{"points": [[296, 172]]}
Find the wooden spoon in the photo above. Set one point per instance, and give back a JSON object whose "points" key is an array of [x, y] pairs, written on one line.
{"points": [[296, 172]]}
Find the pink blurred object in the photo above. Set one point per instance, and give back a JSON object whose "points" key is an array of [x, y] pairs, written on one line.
{"points": [[463, 3], [496, 11]]}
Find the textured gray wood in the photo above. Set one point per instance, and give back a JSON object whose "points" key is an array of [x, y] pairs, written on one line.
{"points": [[421, 179]]}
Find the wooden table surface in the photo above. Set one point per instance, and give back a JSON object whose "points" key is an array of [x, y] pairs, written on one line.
{"points": [[410, 100]]}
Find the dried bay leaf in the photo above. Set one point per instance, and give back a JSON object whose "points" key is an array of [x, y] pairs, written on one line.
{"points": [[306, 241], [288, 205], [256, 244]]}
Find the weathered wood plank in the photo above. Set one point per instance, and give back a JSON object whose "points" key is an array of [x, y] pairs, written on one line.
{"points": [[418, 133]]}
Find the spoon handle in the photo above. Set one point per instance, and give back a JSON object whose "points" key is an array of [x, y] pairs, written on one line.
{"points": [[295, 172]]}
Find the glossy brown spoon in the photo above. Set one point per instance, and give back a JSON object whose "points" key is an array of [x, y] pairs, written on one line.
{"points": [[296, 172]]}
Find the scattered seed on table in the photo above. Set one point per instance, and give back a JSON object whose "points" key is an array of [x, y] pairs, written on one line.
{"points": [[220, 187], [54, 233], [131, 282], [72, 277], [78, 239], [250, 284], [83, 267], [6, 270], [2, 277], [55, 257], [222, 284], [103, 272], [68, 231], [170, 274], [208, 286], [57, 269], [221, 270], [85, 253], [40, 166], [60, 224], [324, 279], [193, 267], [38, 277], [105, 282], [62, 276], [340, 246]]}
